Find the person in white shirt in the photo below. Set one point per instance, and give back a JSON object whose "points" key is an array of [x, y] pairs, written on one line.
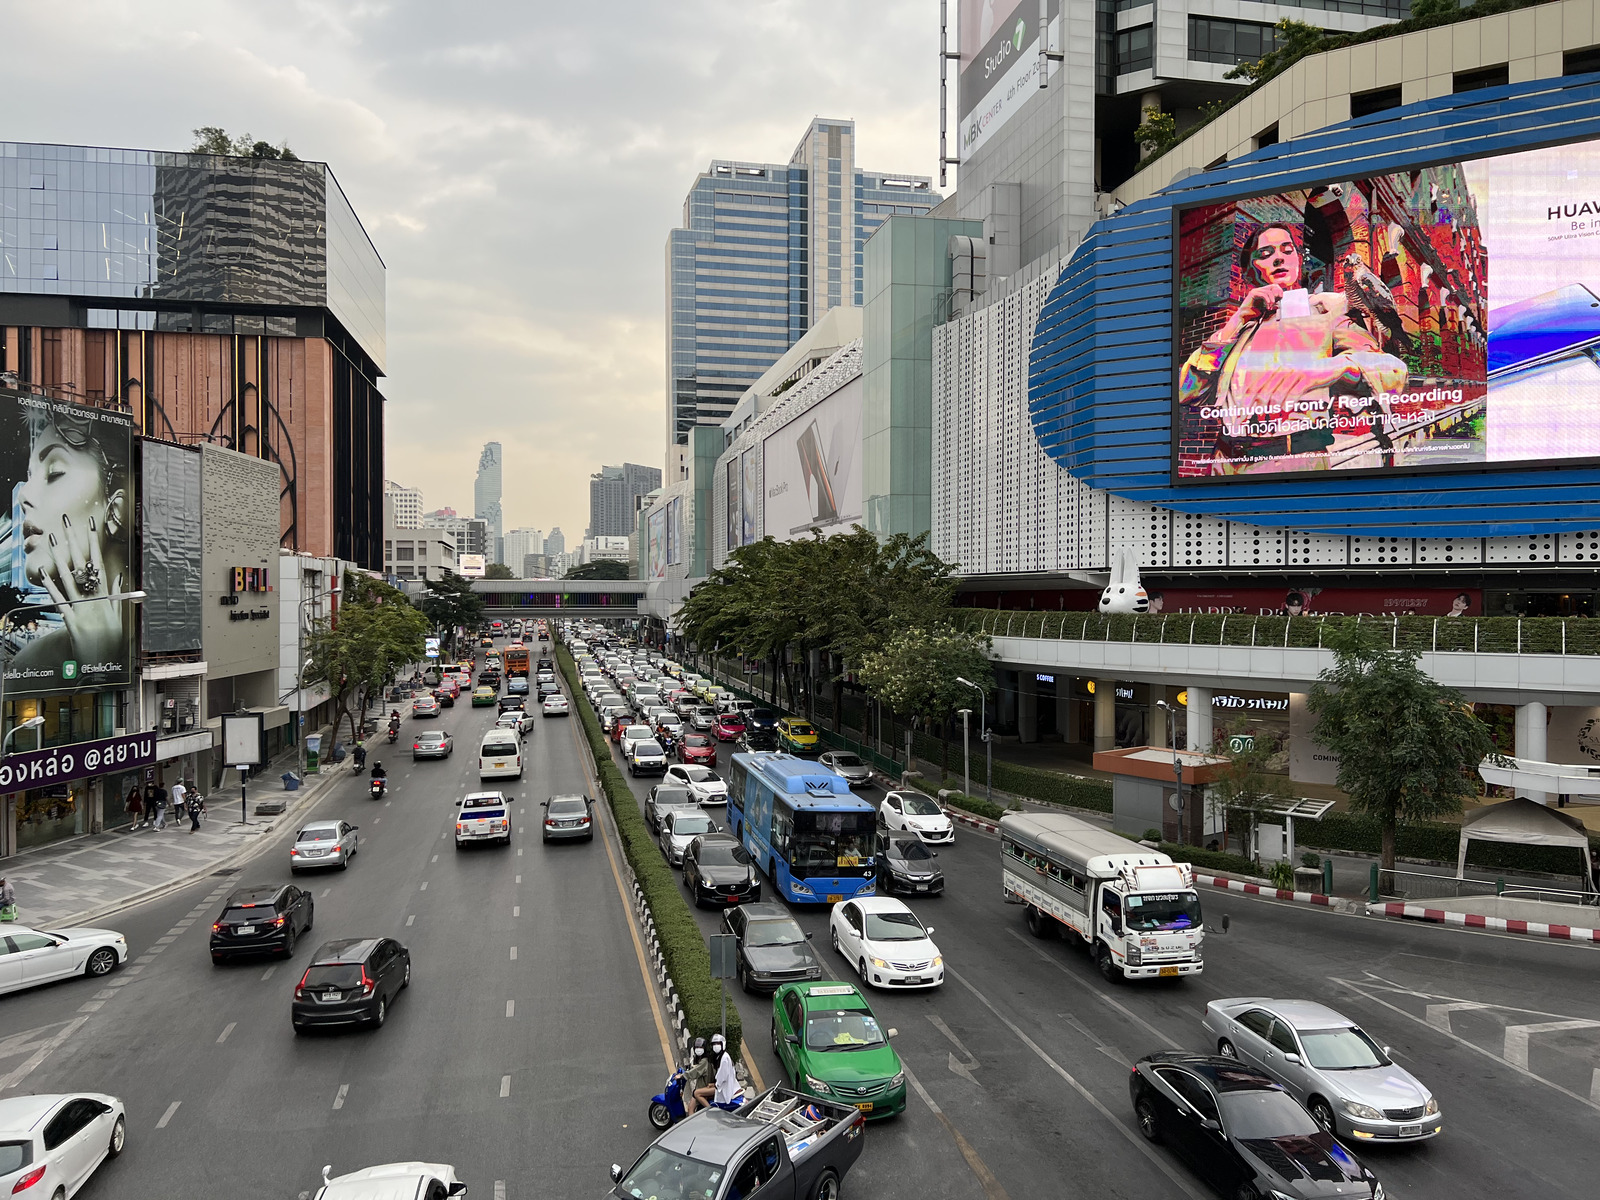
{"points": [[728, 1089], [177, 793]]}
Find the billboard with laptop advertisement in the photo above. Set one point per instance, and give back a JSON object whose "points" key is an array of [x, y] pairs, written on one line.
{"points": [[812, 468], [1446, 317]]}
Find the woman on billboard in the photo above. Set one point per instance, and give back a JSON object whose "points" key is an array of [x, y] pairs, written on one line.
{"points": [[1287, 372], [74, 509]]}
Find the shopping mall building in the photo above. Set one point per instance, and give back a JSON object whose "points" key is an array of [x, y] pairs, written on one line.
{"points": [[1337, 350]]}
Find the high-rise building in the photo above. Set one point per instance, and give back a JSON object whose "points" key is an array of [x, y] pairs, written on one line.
{"points": [[405, 504], [234, 301], [555, 543], [486, 498], [612, 492], [765, 250], [519, 544], [471, 534]]}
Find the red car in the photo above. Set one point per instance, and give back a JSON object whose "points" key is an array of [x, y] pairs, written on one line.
{"points": [[729, 727], [697, 748]]}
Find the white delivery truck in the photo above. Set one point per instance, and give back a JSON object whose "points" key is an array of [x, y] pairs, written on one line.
{"points": [[1132, 907]]}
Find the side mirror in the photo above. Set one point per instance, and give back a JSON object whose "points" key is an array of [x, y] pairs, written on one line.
{"points": [[616, 1173], [928, 931], [458, 803], [1291, 1058], [544, 804], [353, 828], [1388, 1051], [457, 1189], [792, 1038], [1209, 1125], [935, 853], [808, 938], [893, 1032]]}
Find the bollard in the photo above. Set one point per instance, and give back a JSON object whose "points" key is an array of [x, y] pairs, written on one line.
{"points": [[1500, 885], [1372, 884], [1327, 877]]}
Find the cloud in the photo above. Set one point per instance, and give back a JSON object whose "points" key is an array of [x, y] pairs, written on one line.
{"points": [[518, 165]]}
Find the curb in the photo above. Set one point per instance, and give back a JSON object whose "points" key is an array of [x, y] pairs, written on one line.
{"points": [[973, 822], [1416, 912], [1272, 893]]}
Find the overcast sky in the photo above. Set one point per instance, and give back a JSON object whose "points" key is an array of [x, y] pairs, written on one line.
{"points": [[518, 164]]}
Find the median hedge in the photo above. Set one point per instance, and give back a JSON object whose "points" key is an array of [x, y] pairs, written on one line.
{"points": [[687, 956], [975, 805], [1212, 860], [1434, 840]]}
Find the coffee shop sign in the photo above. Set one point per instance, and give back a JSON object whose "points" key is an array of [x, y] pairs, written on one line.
{"points": [[58, 764]]}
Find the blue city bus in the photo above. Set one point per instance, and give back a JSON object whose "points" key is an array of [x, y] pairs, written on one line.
{"points": [[803, 826]]}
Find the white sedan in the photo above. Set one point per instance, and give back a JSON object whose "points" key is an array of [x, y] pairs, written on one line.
{"points": [[912, 812], [885, 942], [704, 784], [556, 706], [515, 719], [427, 1180], [33, 956], [50, 1145]]}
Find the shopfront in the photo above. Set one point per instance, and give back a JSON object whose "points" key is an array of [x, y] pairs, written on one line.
{"points": [[59, 792]]}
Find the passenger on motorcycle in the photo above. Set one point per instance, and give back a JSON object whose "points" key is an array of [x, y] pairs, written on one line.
{"points": [[699, 1077]]}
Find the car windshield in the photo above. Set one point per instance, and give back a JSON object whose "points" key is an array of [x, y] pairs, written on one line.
{"points": [[1250, 1115], [894, 927], [697, 741], [842, 1030], [636, 731], [762, 714], [913, 851], [723, 856], [701, 775], [801, 729], [431, 737], [325, 834], [648, 747], [672, 795], [732, 719], [823, 842], [1167, 910], [921, 806], [846, 760], [691, 824], [249, 916], [339, 975], [781, 932], [661, 1173], [1347, 1049]]}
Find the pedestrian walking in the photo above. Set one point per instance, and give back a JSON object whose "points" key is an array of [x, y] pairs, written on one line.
{"points": [[149, 815], [179, 792], [8, 900], [161, 807], [196, 807], [134, 805]]}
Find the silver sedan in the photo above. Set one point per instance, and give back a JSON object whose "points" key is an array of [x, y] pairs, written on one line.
{"points": [[323, 844], [842, 762], [1347, 1081]]}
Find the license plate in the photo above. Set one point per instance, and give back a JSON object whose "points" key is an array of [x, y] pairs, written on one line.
{"points": [[1411, 1131], [499, 764], [244, 929], [1168, 971], [922, 887], [330, 995], [834, 899], [865, 1106]]}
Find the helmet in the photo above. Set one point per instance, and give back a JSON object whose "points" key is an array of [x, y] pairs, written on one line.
{"points": [[718, 1044], [699, 1049]]}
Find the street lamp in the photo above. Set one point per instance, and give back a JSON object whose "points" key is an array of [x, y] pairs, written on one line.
{"points": [[1177, 763], [966, 753], [30, 723], [983, 732], [5, 624]]}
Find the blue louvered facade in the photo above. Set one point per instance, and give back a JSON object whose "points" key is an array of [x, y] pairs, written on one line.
{"points": [[1101, 371]]}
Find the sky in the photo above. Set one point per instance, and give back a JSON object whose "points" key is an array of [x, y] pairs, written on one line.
{"points": [[517, 163]]}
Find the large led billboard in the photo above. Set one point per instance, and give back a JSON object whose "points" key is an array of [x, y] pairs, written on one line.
{"points": [[67, 538], [999, 45], [1442, 317], [811, 468]]}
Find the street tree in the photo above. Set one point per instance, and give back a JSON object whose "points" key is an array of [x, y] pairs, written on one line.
{"points": [[450, 605], [1245, 785], [917, 674], [498, 571], [1408, 747], [601, 568], [361, 649]]}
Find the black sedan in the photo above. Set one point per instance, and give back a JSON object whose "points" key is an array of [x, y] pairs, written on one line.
{"points": [[905, 864], [351, 982], [1242, 1132], [717, 871], [773, 949], [268, 918], [511, 702]]}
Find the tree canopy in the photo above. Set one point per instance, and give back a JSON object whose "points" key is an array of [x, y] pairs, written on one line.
{"points": [[362, 648], [213, 139], [918, 672], [498, 571], [450, 604], [602, 568]]}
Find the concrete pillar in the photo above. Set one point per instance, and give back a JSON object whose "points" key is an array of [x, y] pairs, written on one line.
{"points": [[1532, 730], [1066, 711], [1155, 722], [1200, 721], [1105, 714], [1027, 707]]}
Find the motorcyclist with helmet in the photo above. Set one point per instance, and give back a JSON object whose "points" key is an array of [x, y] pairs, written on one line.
{"points": [[700, 1076], [380, 776]]}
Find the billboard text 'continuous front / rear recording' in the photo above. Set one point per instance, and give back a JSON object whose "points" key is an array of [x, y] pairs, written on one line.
{"points": [[1446, 316]]}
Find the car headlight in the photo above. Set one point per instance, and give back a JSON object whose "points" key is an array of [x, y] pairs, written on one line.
{"points": [[813, 972], [899, 1078], [1134, 956], [1432, 1107], [879, 963], [1365, 1111], [801, 889], [816, 1085], [1377, 1191], [1277, 1195], [938, 960]]}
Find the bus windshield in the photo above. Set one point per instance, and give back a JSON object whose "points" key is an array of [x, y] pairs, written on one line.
{"points": [[1165, 910], [823, 842]]}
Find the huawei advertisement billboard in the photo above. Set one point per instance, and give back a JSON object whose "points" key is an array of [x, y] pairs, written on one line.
{"points": [[1443, 317], [811, 469]]}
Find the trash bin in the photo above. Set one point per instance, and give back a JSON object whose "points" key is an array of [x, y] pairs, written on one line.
{"points": [[313, 751], [291, 782]]}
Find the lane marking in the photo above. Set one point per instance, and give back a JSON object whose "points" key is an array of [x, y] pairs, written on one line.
{"points": [[424, 886], [410, 919], [992, 1190], [519, 878], [1164, 1038], [519, 851], [513, 954], [89, 1006], [166, 941], [968, 1062], [516, 910], [1133, 1138], [1439, 1014], [104, 995], [267, 974], [223, 1036], [1517, 1037], [1594, 1088], [435, 858], [511, 1008], [499, 1189], [325, 893], [338, 1101], [145, 958], [166, 1117], [505, 1086]]}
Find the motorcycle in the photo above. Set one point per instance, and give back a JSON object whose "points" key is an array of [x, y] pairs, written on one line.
{"points": [[379, 786], [666, 1108], [394, 732]]}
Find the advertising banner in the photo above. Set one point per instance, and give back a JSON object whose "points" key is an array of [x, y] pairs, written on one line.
{"points": [[811, 468], [731, 497], [69, 536], [1314, 601], [171, 547], [1447, 316], [656, 544], [999, 45], [61, 764], [472, 566], [750, 467]]}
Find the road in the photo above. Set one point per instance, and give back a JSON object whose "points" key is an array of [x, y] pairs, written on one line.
{"points": [[532, 1072], [1022, 1057], [523, 1052]]}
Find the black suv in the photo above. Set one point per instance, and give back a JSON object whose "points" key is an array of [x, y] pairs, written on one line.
{"points": [[351, 982], [261, 919], [545, 664], [512, 702]]}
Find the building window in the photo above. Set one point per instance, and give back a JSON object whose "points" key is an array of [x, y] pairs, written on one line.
{"points": [[1268, 136], [1471, 81], [1214, 40], [1135, 50], [1394, 10], [1581, 62], [1364, 104], [404, 553]]}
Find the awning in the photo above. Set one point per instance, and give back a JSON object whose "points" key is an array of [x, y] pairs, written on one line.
{"points": [[1526, 823], [184, 743], [1531, 775]]}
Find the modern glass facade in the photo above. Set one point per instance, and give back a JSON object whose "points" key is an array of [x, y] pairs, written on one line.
{"points": [[764, 251]]}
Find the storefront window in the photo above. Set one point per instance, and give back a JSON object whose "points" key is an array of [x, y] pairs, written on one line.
{"points": [[50, 814], [76, 717]]}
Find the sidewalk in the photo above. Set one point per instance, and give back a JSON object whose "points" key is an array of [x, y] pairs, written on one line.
{"points": [[85, 879]]}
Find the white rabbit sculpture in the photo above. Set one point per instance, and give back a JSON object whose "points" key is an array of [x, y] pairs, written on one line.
{"points": [[1124, 594]]}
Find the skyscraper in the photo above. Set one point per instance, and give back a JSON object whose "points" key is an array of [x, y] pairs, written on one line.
{"points": [[612, 492], [486, 499], [555, 542], [765, 250], [407, 505], [519, 545]]}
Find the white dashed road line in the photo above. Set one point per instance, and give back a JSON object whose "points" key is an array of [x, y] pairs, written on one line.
{"points": [[513, 954], [424, 886], [326, 892], [338, 1101], [410, 919], [511, 1008], [435, 858], [166, 1117], [223, 1036], [267, 974], [499, 1189], [516, 910], [505, 1086]]}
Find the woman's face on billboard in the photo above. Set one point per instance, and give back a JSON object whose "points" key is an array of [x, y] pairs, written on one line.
{"points": [[64, 497], [1276, 258]]}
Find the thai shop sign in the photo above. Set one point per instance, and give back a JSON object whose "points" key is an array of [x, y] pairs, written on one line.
{"points": [[58, 764]]}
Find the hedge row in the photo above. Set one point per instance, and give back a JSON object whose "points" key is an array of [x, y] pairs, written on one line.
{"points": [[975, 805], [1215, 860], [687, 956], [1434, 840]]}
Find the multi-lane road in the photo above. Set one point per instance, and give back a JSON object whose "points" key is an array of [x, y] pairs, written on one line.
{"points": [[527, 1046]]}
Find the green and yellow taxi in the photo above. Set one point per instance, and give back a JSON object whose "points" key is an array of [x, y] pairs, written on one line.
{"points": [[830, 1044], [798, 737], [484, 695]]}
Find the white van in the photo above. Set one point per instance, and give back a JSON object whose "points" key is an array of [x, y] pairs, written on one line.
{"points": [[500, 755]]}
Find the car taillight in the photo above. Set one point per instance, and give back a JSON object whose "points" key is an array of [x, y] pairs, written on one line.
{"points": [[461, 827], [216, 926], [366, 982], [293, 852], [28, 1180], [278, 922], [416, 745], [299, 988]]}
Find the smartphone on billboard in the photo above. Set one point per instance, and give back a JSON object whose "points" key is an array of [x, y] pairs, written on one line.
{"points": [[1542, 328]]}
